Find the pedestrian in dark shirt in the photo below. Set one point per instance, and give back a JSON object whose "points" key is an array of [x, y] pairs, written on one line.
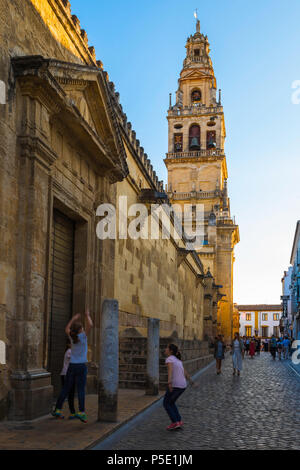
{"points": [[219, 353]]}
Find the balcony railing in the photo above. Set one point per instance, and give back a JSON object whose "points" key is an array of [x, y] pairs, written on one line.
{"points": [[195, 110], [195, 195], [198, 153]]}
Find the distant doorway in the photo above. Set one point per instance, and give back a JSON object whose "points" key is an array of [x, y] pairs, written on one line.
{"points": [[62, 272]]}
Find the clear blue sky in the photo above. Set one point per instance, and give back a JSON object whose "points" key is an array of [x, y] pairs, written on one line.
{"points": [[255, 48]]}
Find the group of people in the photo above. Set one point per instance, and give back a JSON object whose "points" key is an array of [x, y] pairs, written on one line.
{"points": [[237, 352], [74, 373], [250, 346], [74, 370], [280, 346]]}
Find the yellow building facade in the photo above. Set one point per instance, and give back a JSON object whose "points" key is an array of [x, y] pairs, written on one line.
{"points": [[197, 169]]}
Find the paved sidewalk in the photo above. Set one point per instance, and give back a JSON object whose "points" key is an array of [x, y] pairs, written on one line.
{"points": [[52, 434], [259, 410], [296, 367]]}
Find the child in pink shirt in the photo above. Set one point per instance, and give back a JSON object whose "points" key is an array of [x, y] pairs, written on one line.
{"points": [[177, 376]]}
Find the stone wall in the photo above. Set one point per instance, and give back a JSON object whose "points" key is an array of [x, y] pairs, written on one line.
{"points": [[66, 145], [133, 359]]}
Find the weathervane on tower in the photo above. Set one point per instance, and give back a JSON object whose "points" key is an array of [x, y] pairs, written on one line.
{"points": [[198, 21]]}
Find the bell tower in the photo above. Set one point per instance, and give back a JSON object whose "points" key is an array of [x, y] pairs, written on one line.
{"points": [[197, 170]]}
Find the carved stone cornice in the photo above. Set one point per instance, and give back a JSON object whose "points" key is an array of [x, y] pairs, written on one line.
{"points": [[35, 148], [182, 253], [200, 280], [35, 78], [33, 87]]}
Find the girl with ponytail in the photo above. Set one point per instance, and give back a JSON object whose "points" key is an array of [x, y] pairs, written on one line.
{"points": [[177, 376], [77, 370]]}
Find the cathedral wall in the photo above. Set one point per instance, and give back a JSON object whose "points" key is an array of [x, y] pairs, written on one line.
{"points": [[29, 193], [147, 268]]}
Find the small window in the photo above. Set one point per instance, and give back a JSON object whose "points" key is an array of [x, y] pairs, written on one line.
{"points": [[265, 331], [265, 317], [276, 316], [248, 317], [178, 142], [248, 331], [197, 52]]}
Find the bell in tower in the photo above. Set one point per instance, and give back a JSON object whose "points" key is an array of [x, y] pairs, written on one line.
{"points": [[211, 144], [194, 137], [211, 140], [195, 144]]}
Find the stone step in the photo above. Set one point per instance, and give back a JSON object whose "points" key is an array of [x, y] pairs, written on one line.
{"points": [[132, 384], [133, 360], [139, 368]]}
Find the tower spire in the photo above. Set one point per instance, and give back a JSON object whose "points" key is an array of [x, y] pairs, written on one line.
{"points": [[198, 21]]}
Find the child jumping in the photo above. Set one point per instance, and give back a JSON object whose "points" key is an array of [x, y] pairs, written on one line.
{"points": [[63, 374], [77, 370], [177, 376]]}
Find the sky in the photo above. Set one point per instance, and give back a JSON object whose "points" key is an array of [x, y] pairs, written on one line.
{"points": [[255, 49]]}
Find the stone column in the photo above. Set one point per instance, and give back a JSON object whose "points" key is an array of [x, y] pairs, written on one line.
{"points": [[109, 362], [152, 380], [31, 391]]}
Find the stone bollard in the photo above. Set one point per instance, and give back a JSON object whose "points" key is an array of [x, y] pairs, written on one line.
{"points": [[108, 383], [152, 378]]}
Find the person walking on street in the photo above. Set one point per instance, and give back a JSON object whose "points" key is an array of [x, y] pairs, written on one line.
{"points": [[273, 347], [267, 345], [286, 347], [77, 370], [219, 353], [279, 348], [237, 351], [247, 346], [252, 348], [177, 376], [258, 346]]}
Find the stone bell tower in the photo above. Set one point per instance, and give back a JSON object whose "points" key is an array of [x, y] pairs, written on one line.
{"points": [[197, 170]]}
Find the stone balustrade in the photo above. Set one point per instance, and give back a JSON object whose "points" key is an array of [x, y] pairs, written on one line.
{"points": [[198, 153], [195, 110], [195, 195]]}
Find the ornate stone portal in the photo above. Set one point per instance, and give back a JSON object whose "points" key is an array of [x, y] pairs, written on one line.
{"points": [[68, 160]]}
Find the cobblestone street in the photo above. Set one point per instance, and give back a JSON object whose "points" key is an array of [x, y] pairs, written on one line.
{"points": [[259, 410]]}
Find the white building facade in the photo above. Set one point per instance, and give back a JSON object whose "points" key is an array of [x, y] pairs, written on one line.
{"points": [[286, 298], [260, 320], [291, 290]]}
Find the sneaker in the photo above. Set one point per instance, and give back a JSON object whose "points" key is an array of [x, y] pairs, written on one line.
{"points": [[57, 414], [82, 416], [179, 424], [171, 426], [73, 416]]}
